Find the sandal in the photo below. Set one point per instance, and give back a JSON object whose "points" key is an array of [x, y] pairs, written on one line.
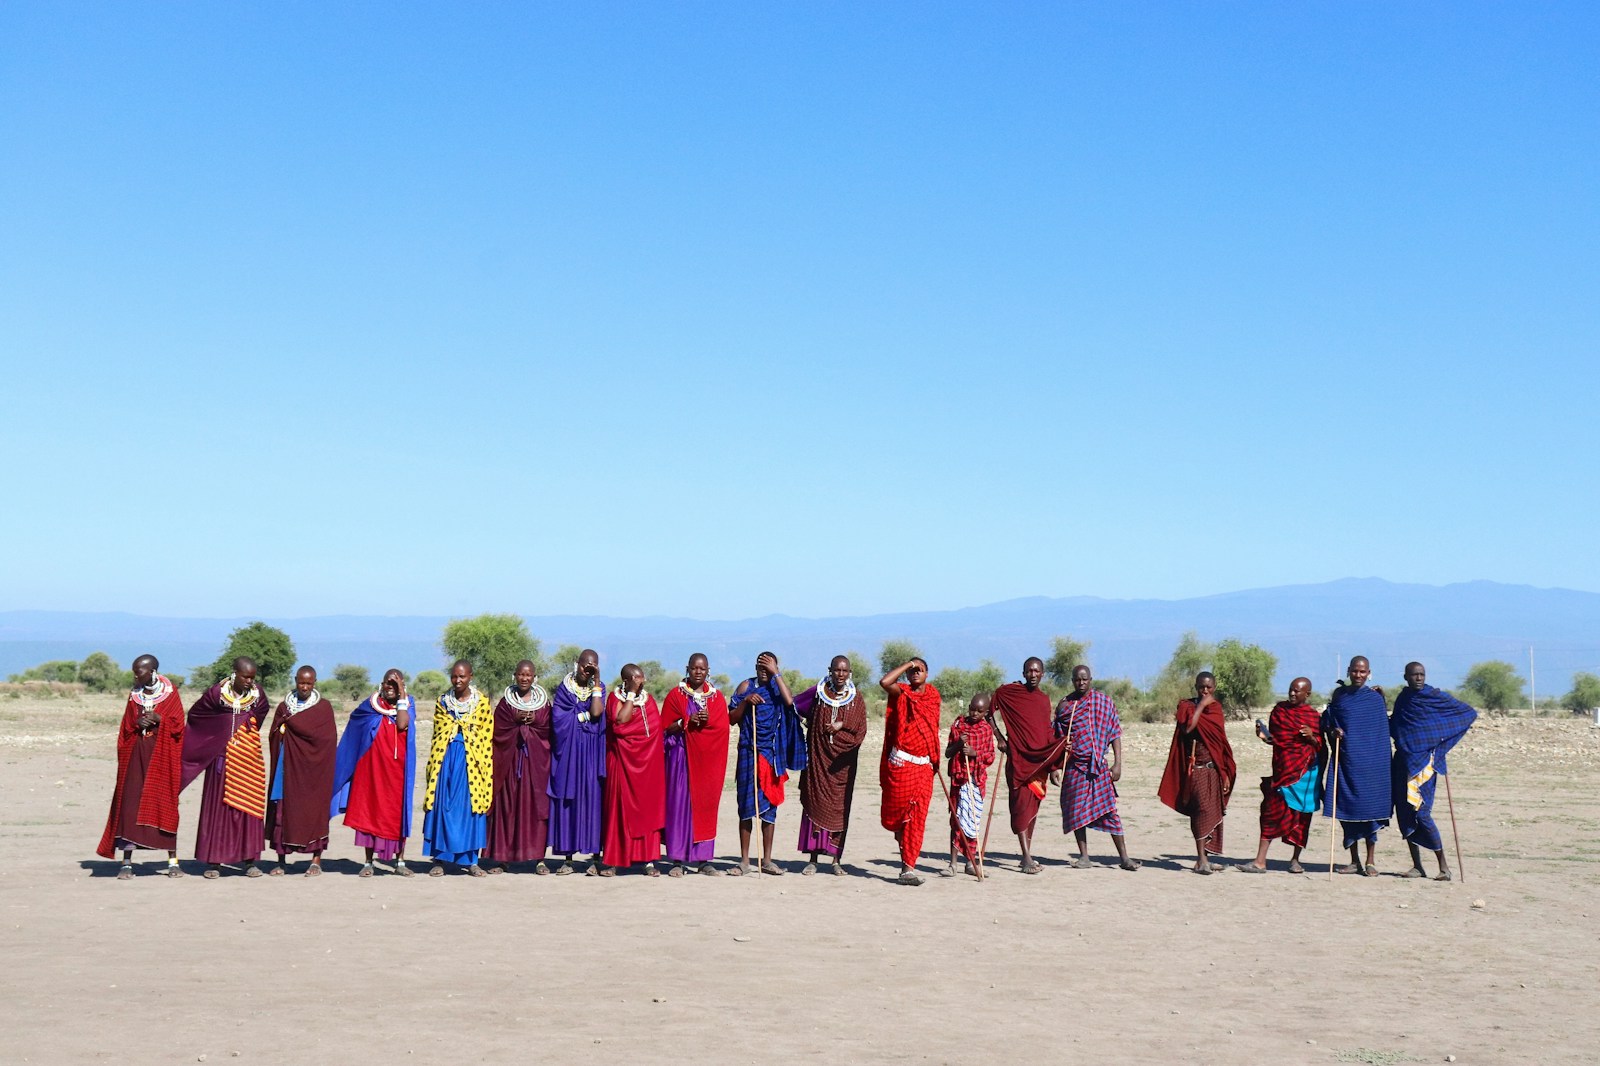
{"points": [[126, 873], [491, 870], [705, 869], [808, 869], [771, 869], [1371, 870], [212, 873], [277, 871], [1082, 863], [947, 871], [174, 870], [676, 870], [436, 870], [403, 870], [252, 870], [1034, 868], [314, 870], [564, 870], [651, 871], [542, 870], [1251, 868], [838, 869], [1296, 868], [738, 871], [908, 877], [608, 871], [1130, 865], [1444, 875], [367, 870], [477, 871]]}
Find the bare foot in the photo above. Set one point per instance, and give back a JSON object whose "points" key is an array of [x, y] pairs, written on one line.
{"points": [[1201, 869]]}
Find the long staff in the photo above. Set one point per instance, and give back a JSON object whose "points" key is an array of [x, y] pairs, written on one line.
{"points": [[950, 807], [1333, 806], [1451, 803], [977, 857]]}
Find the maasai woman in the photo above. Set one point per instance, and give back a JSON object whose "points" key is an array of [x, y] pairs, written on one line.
{"points": [[519, 818], [304, 739], [144, 804], [460, 786], [577, 761], [1200, 769], [223, 738], [836, 724], [635, 792], [695, 730], [374, 773], [1293, 791]]}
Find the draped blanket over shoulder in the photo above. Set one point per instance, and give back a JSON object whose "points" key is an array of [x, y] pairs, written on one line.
{"points": [[304, 741], [144, 803], [374, 775], [906, 767], [1363, 793], [223, 740], [696, 767], [577, 765], [836, 724], [635, 792], [519, 817], [1033, 749], [460, 782], [1293, 791], [1088, 795], [779, 748], [1200, 771], [1426, 725]]}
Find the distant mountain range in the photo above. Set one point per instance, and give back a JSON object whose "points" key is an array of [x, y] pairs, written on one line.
{"points": [[1311, 628]]}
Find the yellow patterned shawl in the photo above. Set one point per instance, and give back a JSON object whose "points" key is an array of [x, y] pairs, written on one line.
{"points": [[477, 732]]}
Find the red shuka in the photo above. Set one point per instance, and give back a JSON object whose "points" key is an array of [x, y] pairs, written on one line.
{"points": [[377, 788], [707, 750], [910, 724], [158, 801], [635, 809], [1033, 748], [1213, 731]]}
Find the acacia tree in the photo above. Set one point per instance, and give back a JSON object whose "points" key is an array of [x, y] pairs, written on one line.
{"points": [[1065, 653], [100, 673], [494, 644], [1493, 685], [1244, 674], [1176, 680], [957, 686], [894, 653], [1584, 697], [268, 646]]}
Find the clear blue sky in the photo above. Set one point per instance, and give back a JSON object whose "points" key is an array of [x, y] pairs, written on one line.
{"points": [[727, 309]]}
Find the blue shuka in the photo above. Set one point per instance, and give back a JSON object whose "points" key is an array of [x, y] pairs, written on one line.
{"points": [[780, 743], [1427, 723], [577, 764], [1363, 798], [356, 741]]}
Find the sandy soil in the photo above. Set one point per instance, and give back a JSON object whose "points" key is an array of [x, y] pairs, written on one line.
{"points": [[1096, 965]]}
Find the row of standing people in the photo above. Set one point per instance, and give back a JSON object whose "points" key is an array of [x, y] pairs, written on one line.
{"points": [[611, 775]]}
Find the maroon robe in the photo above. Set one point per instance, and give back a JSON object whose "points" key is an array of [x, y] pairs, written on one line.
{"points": [[519, 817], [1032, 749], [303, 749]]}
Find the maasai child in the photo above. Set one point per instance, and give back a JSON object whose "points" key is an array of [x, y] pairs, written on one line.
{"points": [[770, 745], [971, 752], [455, 803], [635, 792], [1033, 751], [1088, 720], [1426, 724], [1200, 770], [905, 770], [694, 726], [836, 723], [1359, 796], [519, 817], [375, 771], [144, 803], [1294, 790], [304, 739], [577, 762], [223, 738]]}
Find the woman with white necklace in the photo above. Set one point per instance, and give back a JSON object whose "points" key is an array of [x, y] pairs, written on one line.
{"points": [[635, 785], [460, 786], [519, 817], [836, 723]]}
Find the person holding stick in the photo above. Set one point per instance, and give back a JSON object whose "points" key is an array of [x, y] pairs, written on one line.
{"points": [[1426, 724], [1294, 790], [970, 751], [1033, 749], [836, 718], [1358, 795], [906, 768], [770, 745], [1088, 719]]}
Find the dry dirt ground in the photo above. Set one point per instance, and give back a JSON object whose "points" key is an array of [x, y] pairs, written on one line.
{"points": [[1072, 965]]}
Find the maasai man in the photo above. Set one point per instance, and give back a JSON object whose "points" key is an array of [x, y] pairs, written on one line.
{"points": [[144, 803], [304, 738], [223, 738], [519, 817], [694, 727], [1426, 724], [455, 802], [577, 762], [1359, 794], [636, 787], [906, 768], [1200, 770], [770, 745], [1033, 749], [970, 749], [836, 723], [1294, 790], [1087, 718], [375, 771]]}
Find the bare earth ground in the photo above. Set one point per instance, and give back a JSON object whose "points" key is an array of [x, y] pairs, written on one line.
{"points": [[1077, 966]]}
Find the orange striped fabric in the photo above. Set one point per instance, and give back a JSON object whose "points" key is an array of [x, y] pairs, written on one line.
{"points": [[244, 779]]}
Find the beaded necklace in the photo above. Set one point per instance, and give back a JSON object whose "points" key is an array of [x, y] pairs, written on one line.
{"points": [[700, 698], [239, 704], [150, 700], [585, 693], [293, 704], [536, 698], [461, 708]]}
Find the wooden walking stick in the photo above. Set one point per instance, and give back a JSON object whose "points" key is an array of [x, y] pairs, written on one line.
{"points": [[1333, 806], [950, 807], [994, 794], [1450, 801]]}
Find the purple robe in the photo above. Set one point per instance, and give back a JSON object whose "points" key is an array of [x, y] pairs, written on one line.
{"points": [[680, 815], [577, 763], [225, 834]]}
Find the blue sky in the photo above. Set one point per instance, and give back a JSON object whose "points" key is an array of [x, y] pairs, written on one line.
{"points": [[722, 309]]}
